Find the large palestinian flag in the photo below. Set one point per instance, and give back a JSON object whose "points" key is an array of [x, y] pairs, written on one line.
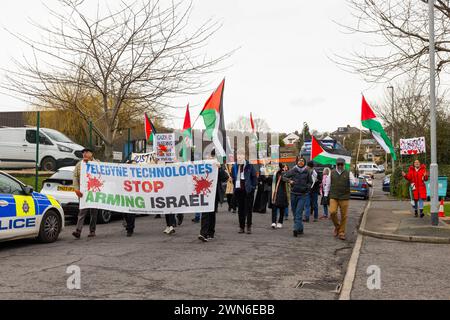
{"points": [[369, 121], [326, 156], [213, 118]]}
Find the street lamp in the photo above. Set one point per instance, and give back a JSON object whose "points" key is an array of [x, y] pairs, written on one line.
{"points": [[433, 166], [392, 126]]}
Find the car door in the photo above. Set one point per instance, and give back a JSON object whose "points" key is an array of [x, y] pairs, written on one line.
{"points": [[17, 210], [30, 145]]}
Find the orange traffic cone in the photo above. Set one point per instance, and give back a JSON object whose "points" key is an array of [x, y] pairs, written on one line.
{"points": [[441, 209]]}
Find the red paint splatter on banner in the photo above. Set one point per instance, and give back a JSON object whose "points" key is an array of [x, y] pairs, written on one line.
{"points": [[202, 185], [94, 184]]}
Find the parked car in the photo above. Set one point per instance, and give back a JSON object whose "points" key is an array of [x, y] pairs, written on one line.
{"points": [[27, 214], [60, 186], [387, 183], [367, 168], [18, 149], [368, 178], [360, 189]]}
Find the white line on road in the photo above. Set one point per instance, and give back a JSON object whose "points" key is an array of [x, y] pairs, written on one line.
{"points": [[353, 263]]}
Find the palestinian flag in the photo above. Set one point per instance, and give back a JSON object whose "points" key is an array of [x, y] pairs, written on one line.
{"points": [[187, 136], [213, 118], [252, 123], [150, 130], [369, 121], [326, 156]]}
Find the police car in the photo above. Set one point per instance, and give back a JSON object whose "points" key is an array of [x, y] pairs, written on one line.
{"points": [[27, 214]]}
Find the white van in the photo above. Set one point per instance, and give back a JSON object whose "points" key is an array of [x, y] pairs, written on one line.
{"points": [[18, 149], [368, 168]]}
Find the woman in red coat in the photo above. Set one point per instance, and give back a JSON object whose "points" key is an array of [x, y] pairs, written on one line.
{"points": [[417, 175]]}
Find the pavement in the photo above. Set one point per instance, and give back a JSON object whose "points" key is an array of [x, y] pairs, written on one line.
{"points": [[389, 218], [269, 264], [407, 269]]}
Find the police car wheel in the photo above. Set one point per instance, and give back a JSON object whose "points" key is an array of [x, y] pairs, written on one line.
{"points": [[104, 217], [50, 227]]}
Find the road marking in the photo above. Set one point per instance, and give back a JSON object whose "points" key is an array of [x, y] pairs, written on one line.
{"points": [[347, 285]]}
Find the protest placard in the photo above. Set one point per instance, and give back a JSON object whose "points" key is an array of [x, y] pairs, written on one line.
{"points": [[165, 147], [149, 189]]}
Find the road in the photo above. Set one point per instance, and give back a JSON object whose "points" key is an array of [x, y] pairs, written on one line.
{"points": [[151, 265]]}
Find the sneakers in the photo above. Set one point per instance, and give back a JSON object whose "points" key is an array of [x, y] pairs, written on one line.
{"points": [[202, 238], [274, 225], [169, 230], [76, 234], [279, 226]]}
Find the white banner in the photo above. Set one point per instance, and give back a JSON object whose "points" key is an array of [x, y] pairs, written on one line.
{"points": [[165, 147], [187, 187], [412, 146], [143, 158]]}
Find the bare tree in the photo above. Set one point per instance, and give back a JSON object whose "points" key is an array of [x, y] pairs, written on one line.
{"points": [[410, 114], [129, 60], [398, 38]]}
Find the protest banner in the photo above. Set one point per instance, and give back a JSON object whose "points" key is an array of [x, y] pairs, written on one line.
{"points": [[142, 158], [165, 147], [412, 146], [149, 189]]}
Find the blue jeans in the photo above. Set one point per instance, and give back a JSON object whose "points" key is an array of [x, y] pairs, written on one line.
{"points": [[418, 205], [298, 203], [314, 204], [325, 210]]}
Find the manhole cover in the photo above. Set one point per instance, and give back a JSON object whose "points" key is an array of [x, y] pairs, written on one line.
{"points": [[319, 285]]}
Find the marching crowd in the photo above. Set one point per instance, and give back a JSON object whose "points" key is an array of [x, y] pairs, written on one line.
{"points": [[248, 191]]}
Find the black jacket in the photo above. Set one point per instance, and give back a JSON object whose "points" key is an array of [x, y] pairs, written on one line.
{"points": [[302, 180]]}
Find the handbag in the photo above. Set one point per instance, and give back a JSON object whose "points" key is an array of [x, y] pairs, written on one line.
{"points": [[325, 201]]}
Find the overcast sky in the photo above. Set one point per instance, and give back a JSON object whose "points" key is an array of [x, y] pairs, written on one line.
{"points": [[281, 71]]}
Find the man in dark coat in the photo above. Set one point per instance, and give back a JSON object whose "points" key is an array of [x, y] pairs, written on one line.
{"points": [[244, 180]]}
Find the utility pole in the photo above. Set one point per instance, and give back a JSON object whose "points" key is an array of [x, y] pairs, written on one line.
{"points": [[392, 125], [434, 166]]}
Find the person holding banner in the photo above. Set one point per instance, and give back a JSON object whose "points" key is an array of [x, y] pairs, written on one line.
{"points": [[417, 175], [88, 155], [245, 182], [208, 220]]}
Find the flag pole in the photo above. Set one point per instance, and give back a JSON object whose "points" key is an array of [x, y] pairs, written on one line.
{"points": [[359, 147]]}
